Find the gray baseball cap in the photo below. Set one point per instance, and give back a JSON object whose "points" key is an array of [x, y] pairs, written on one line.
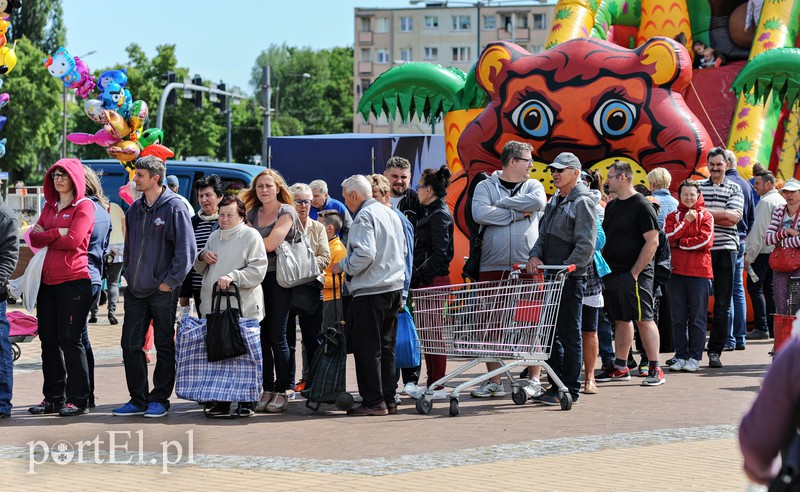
{"points": [[565, 160], [172, 180]]}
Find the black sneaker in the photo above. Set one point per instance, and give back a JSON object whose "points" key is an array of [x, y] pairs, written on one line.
{"points": [[757, 335], [613, 374], [714, 362], [112, 319], [70, 410], [45, 407], [93, 318]]}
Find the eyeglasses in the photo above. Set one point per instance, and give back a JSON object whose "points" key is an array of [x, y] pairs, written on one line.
{"points": [[612, 176], [302, 202], [59, 176], [523, 159], [556, 170]]}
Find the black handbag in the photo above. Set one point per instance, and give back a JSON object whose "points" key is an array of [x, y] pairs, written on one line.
{"points": [[306, 299], [223, 334]]}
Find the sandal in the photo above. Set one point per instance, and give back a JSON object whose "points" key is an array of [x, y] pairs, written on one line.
{"points": [[278, 404], [589, 388], [266, 397]]}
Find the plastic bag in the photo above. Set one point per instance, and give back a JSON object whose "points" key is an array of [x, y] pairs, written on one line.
{"points": [[406, 349]]}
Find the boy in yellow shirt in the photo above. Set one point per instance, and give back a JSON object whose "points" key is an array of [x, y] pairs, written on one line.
{"points": [[332, 313]]}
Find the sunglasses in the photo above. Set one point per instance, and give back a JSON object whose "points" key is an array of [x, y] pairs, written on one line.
{"points": [[302, 202], [555, 170]]}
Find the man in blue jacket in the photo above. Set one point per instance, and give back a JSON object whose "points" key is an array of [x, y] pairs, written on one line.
{"points": [[9, 251], [159, 251]]}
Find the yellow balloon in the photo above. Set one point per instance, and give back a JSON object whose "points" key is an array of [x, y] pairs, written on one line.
{"points": [[8, 59]]}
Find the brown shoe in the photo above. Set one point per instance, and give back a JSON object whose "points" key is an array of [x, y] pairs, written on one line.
{"points": [[363, 410], [391, 408]]}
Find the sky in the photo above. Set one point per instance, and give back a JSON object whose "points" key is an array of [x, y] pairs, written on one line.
{"points": [[218, 42]]}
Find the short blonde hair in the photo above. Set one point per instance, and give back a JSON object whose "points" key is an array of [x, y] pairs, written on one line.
{"points": [[379, 183], [659, 178]]}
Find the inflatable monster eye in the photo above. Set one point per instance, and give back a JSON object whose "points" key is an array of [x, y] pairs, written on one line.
{"points": [[615, 118], [533, 117]]}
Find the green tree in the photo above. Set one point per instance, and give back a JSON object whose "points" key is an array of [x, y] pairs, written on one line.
{"points": [[33, 128], [41, 22]]}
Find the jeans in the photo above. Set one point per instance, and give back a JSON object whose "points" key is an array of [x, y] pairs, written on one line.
{"points": [[87, 346], [6, 362], [274, 345], [113, 272], [737, 324], [310, 330], [723, 265], [566, 357], [689, 296], [159, 307], [62, 310], [761, 294], [605, 337], [373, 325]]}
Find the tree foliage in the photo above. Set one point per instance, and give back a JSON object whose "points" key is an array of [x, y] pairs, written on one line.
{"points": [[41, 22]]}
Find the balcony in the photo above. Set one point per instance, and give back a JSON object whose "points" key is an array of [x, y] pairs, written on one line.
{"points": [[365, 37], [365, 67], [520, 33]]}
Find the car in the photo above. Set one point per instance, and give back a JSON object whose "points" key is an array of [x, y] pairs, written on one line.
{"points": [[113, 176]]}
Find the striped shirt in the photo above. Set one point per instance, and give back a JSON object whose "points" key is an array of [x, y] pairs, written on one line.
{"points": [[781, 221], [726, 196], [204, 229]]}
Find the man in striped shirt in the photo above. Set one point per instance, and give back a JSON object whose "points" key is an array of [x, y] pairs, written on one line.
{"points": [[725, 201]]}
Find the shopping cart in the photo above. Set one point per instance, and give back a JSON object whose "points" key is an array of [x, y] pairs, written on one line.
{"points": [[511, 321]]}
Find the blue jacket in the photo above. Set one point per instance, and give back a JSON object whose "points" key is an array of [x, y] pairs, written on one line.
{"points": [[159, 244], [98, 243]]}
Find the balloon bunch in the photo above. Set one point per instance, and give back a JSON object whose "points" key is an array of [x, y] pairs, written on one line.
{"points": [[8, 58], [122, 117]]}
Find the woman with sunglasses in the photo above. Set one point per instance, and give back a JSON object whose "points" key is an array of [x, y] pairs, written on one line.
{"points": [[65, 294], [310, 317]]}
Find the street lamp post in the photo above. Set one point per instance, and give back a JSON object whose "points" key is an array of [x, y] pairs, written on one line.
{"points": [[266, 90]]}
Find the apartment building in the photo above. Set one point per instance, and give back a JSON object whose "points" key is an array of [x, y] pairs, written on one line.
{"points": [[448, 35]]}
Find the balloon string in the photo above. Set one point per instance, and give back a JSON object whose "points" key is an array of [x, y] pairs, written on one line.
{"points": [[713, 126]]}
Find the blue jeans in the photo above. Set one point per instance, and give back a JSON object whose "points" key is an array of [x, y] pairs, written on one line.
{"points": [[566, 357], [159, 307], [737, 325], [6, 362]]}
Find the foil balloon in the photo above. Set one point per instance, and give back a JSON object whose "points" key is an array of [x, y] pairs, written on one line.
{"points": [[8, 6], [93, 109], [3, 28], [3, 147], [117, 76], [124, 151], [137, 118], [119, 127], [157, 150], [4, 98], [8, 59], [151, 136], [103, 137]]}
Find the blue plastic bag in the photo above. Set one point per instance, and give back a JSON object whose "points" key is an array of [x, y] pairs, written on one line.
{"points": [[406, 348]]}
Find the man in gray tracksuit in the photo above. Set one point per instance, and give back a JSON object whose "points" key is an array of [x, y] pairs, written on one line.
{"points": [[567, 236]]}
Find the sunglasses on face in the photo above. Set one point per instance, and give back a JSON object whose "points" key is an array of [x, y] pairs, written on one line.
{"points": [[555, 170]]}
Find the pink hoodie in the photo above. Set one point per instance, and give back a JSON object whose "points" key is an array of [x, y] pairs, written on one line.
{"points": [[67, 257]]}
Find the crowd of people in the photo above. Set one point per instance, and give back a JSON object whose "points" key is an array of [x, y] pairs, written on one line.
{"points": [[637, 258]]}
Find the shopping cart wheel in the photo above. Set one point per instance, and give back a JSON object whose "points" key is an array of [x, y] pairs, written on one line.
{"points": [[424, 405], [344, 401], [16, 351], [519, 397], [566, 401], [454, 407]]}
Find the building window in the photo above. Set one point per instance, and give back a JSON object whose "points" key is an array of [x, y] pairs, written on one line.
{"points": [[365, 83], [539, 21], [406, 24], [364, 21], [406, 54], [489, 23], [461, 54], [382, 55], [382, 24], [365, 54], [536, 48], [515, 21], [431, 21], [431, 53], [462, 22]]}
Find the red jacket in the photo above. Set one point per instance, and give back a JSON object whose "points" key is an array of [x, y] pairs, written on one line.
{"points": [[690, 242], [67, 256]]}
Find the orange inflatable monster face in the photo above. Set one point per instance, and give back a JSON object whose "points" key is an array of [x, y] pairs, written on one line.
{"points": [[592, 98]]}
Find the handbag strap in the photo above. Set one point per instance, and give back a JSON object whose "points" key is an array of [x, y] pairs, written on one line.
{"points": [[217, 294]]}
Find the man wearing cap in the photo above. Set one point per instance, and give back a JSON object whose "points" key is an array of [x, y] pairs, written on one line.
{"points": [[631, 228], [172, 183], [725, 202], [567, 234]]}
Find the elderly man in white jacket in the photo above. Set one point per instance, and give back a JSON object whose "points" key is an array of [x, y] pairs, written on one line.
{"points": [[375, 272]]}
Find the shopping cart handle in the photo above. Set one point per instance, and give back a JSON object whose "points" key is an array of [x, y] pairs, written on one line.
{"points": [[523, 266]]}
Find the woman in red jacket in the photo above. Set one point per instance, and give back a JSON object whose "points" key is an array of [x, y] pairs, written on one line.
{"points": [[65, 293], [690, 231]]}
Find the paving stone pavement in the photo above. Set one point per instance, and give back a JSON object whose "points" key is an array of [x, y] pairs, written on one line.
{"points": [[679, 435]]}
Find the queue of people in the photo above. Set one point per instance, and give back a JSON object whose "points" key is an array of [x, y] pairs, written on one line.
{"points": [[398, 240]]}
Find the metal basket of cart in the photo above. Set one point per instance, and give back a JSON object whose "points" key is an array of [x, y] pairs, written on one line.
{"points": [[510, 321]]}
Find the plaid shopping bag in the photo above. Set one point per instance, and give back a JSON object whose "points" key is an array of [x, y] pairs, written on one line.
{"points": [[238, 379]]}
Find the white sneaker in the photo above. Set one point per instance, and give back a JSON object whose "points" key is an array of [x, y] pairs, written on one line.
{"points": [[532, 388], [488, 390], [439, 395], [678, 365], [692, 365], [409, 389]]}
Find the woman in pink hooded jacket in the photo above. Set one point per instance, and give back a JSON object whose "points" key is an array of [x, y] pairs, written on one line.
{"points": [[65, 294]]}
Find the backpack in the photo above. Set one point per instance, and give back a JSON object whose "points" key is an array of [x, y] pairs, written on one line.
{"points": [[472, 265]]}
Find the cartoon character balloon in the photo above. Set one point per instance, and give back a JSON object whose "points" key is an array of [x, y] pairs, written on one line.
{"points": [[72, 71], [8, 6], [8, 59], [3, 28], [3, 143]]}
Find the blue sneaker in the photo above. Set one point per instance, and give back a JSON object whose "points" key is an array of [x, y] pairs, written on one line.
{"points": [[127, 409], [155, 410]]}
